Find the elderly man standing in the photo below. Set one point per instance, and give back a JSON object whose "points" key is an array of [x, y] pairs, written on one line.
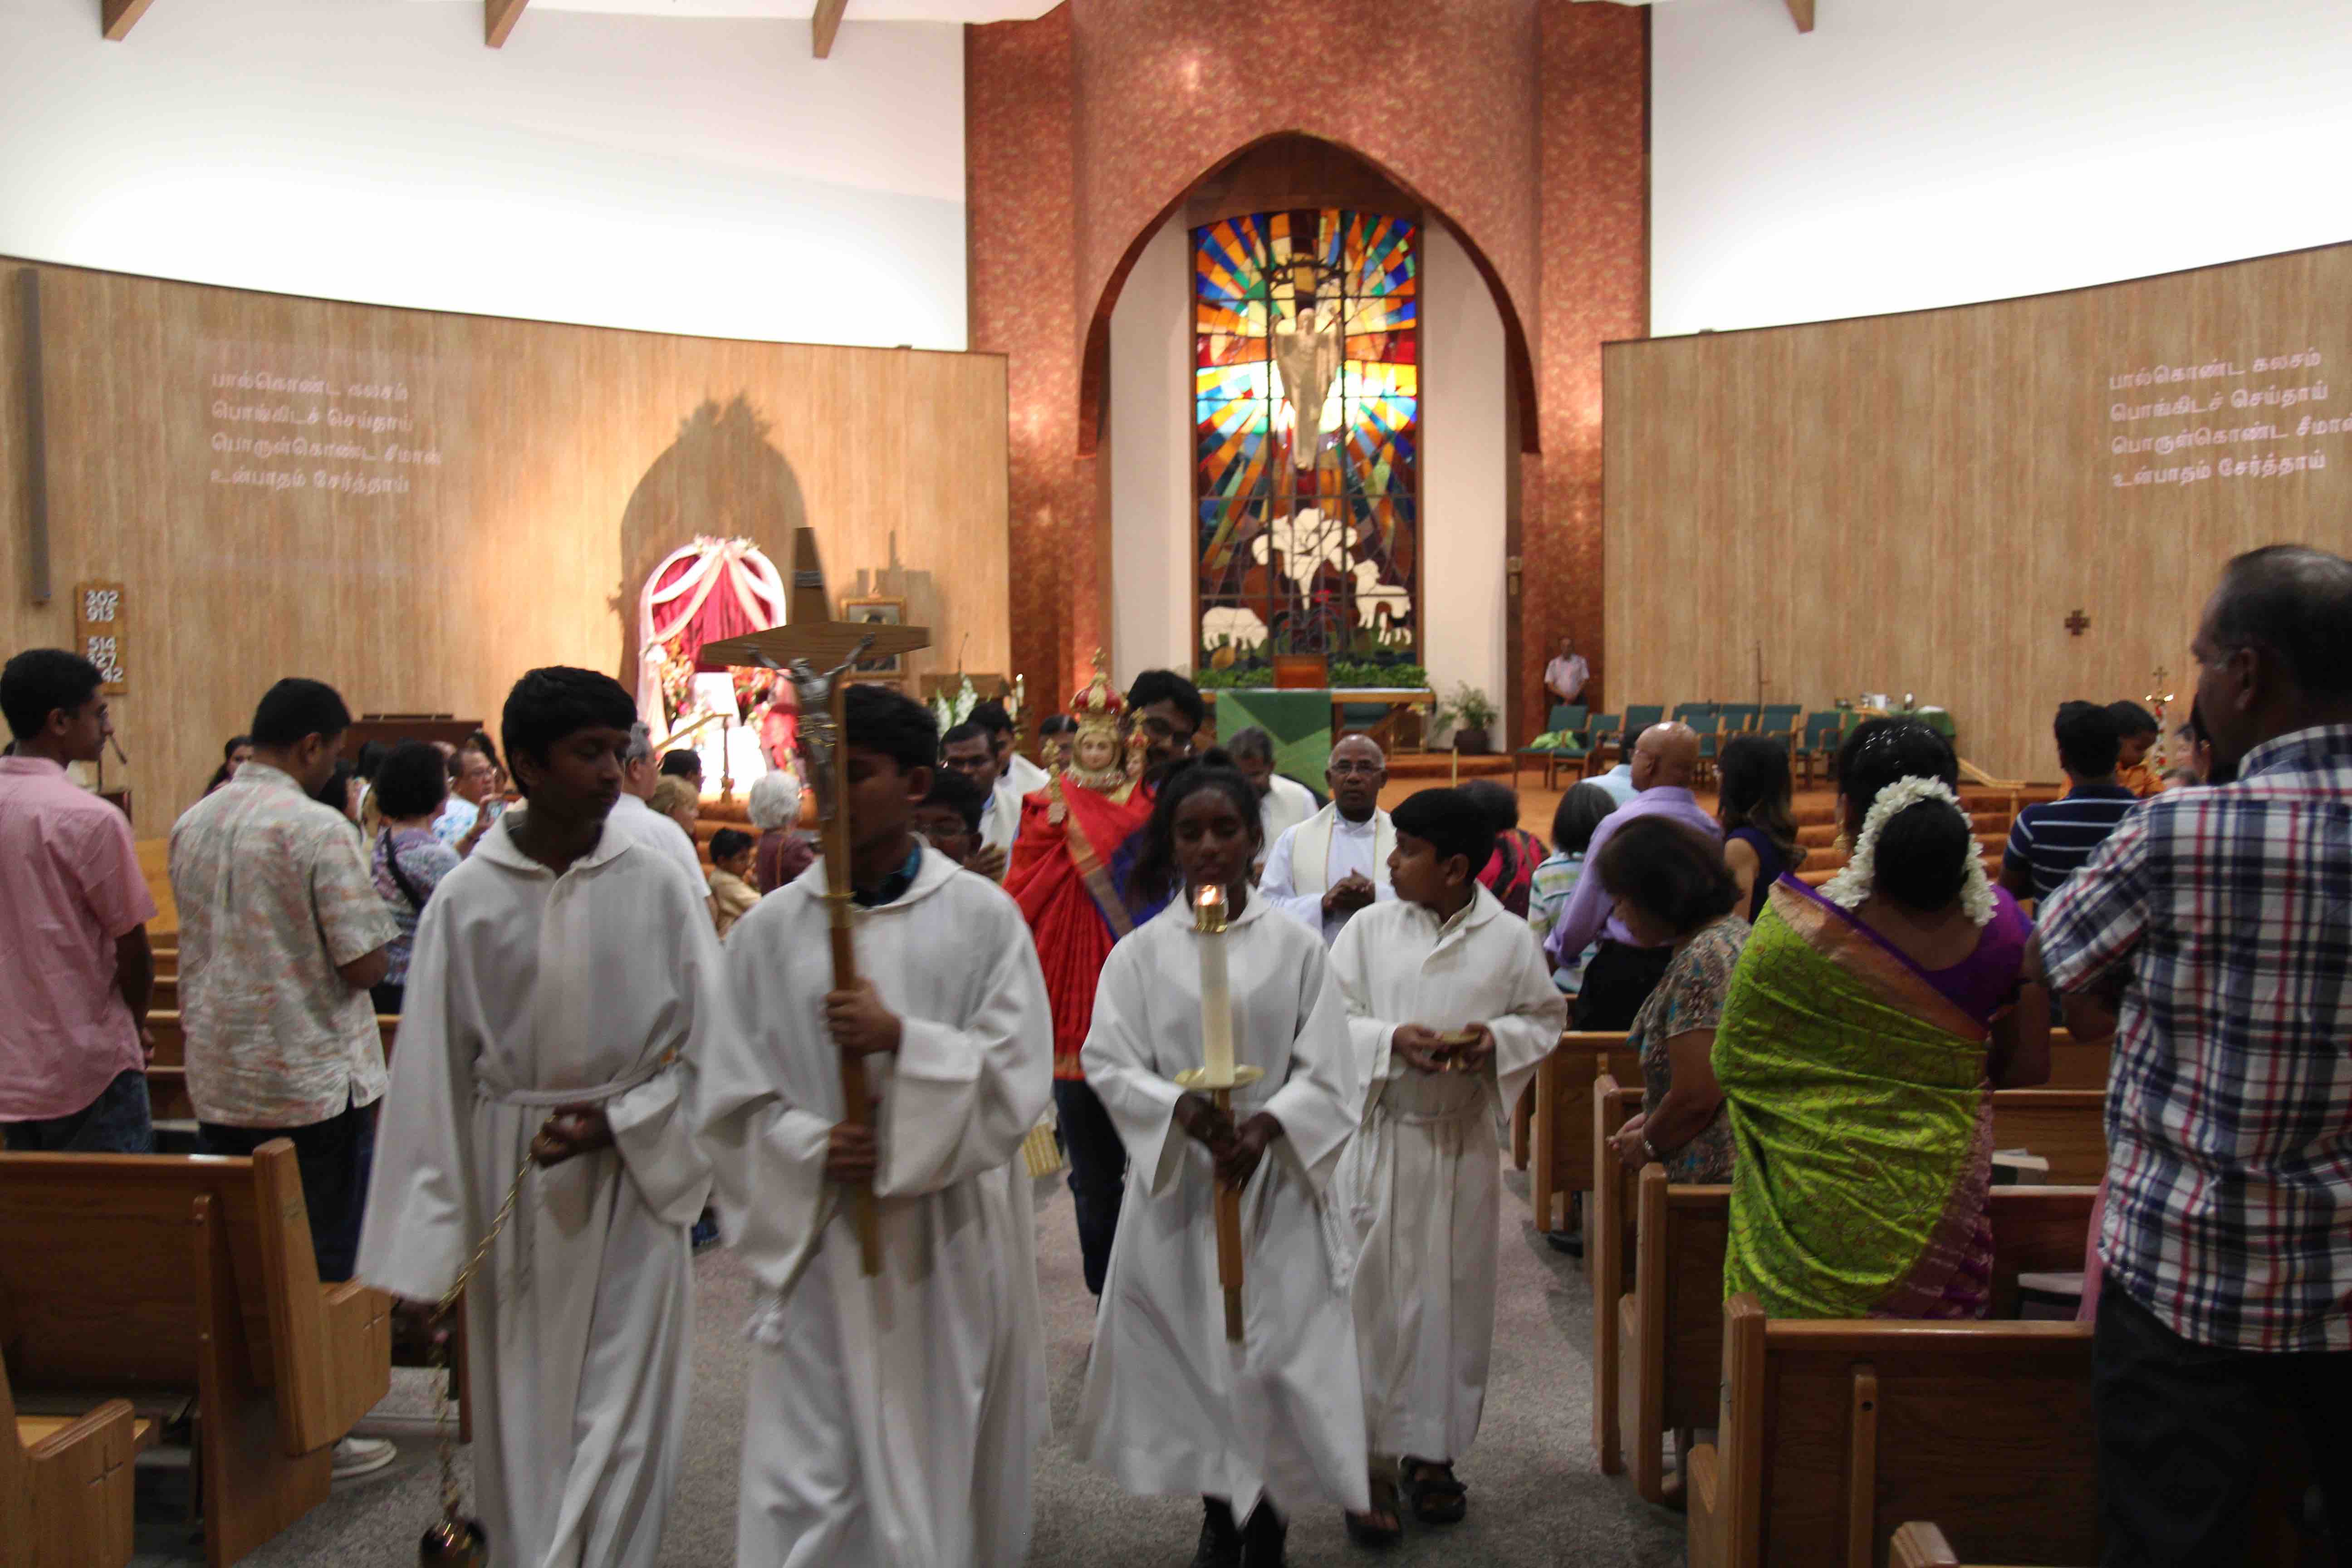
{"points": [[1622, 974], [1336, 861], [2225, 1322], [282, 935], [639, 776]]}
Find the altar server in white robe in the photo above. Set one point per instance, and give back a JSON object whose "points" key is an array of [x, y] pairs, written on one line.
{"points": [[1450, 1006], [565, 984], [892, 1420], [1264, 1428], [1336, 861]]}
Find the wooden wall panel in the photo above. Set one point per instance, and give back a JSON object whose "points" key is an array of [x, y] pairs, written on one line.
{"points": [[1915, 502], [571, 458]]}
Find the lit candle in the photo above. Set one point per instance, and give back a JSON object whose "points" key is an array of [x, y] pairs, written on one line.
{"points": [[1216, 996]]}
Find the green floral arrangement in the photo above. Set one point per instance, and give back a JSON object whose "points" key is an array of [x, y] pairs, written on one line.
{"points": [[1351, 673]]}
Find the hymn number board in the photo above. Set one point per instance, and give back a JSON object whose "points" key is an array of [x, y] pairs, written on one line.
{"points": [[99, 631]]}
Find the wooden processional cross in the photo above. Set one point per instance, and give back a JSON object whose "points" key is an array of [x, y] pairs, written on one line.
{"points": [[816, 653]]}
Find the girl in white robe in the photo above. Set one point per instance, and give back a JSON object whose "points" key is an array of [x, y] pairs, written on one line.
{"points": [[1422, 1179], [542, 1003], [891, 1420], [1170, 1406]]}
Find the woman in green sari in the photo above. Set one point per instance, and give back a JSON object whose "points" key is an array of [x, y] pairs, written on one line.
{"points": [[1864, 1032]]}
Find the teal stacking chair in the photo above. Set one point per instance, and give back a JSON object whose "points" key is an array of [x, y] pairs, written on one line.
{"points": [[1638, 719], [1567, 722], [1738, 718], [1603, 738], [1781, 721], [1823, 733]]}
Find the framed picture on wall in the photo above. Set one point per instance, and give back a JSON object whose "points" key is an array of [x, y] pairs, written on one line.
{"points": [[880, 612]]}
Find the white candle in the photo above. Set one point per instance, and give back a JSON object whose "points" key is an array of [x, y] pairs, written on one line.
{"points": [[1216, 996]]}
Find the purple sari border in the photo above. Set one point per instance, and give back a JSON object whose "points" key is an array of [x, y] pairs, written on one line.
{"points": [[1822, 913]]}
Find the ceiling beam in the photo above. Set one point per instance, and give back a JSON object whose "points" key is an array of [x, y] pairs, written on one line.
{"points": [[117, 18], [824, 23], [1802, 13], [499, 19]]}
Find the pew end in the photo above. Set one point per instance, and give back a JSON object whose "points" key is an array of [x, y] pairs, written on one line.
{"points": [[193, 1277], [66, 1484], [1608, 1244]]}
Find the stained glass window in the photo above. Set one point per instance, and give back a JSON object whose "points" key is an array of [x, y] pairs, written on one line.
{"points": [[1309, 516]]}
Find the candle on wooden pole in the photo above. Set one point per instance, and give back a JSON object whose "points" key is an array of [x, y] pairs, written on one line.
{"points": [[1216, 993], [1219, 1077], [817, 651]]}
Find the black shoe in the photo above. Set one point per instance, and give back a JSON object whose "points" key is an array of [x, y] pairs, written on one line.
{"points": [[1220, 1541], [1262, 1539], [1572, 1242]]}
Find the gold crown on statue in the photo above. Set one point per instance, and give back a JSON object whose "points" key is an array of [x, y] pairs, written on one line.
{"points": [[1096, 755], [1097, 707]]}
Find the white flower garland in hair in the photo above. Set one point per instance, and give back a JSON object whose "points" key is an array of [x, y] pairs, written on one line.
{"points": [[1852, 885]]}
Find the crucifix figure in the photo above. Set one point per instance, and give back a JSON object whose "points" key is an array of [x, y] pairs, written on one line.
{"points": [[816, 651]]}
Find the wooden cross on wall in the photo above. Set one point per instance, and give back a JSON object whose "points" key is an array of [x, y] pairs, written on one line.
{"points": [[813, 640], [2077, 622]]}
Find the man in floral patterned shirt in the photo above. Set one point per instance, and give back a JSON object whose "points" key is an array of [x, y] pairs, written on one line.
{"points": [[282, 934]]}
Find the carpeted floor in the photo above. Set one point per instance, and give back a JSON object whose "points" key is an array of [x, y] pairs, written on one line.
{"points": [[1536, 1498]]}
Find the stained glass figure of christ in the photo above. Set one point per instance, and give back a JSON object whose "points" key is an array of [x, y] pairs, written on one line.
{"points": [[1308, 517]]}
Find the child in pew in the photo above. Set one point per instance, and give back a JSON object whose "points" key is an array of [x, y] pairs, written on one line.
{"points": [[1261, 1429], [1450, 1006], [729, 877]]}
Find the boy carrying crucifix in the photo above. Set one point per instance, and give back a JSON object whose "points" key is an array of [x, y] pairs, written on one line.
{"points": [[1450, 1007], [892, 1417]]}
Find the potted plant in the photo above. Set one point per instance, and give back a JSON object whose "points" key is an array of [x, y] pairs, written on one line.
{"points": [[1471, 714]]}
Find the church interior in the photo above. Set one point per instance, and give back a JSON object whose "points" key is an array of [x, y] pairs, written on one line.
{"points": [[1571, 395]]}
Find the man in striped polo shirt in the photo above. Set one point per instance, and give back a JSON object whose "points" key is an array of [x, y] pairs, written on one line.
{"points": [[2051, 840]]}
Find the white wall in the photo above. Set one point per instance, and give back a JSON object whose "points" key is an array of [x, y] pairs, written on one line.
{"points": [[1910, 153], [1466, 454], [685, 176], [1150, 444], [1464, 451]]}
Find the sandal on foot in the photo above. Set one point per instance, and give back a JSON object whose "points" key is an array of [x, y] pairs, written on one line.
{"points": [[1362, 1526], [1433, 1493]]}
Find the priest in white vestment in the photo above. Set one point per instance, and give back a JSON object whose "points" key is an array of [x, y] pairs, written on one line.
{"points": [[1170, 1406], [565, 985], [1336, 861], [1422, 1178], [892, 1420]]}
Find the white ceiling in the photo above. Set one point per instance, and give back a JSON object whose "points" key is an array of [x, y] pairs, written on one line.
{"points": [[859, 10]]}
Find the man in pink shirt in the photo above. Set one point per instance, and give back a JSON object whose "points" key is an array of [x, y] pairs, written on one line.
{"points": [[74, 966]]}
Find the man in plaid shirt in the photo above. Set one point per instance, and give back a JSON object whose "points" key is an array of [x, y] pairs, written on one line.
{"points": [[2225, 914]]}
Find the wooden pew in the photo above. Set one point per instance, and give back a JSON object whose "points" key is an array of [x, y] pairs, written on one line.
{"points": [[66, 1483], [1556, 1152], [1832, 1433], [1609, 1242], [1559, 1151], [1669, 1322], [2067, 1126], [1836, 1436], [161, 1277], [1921, 1546]]}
